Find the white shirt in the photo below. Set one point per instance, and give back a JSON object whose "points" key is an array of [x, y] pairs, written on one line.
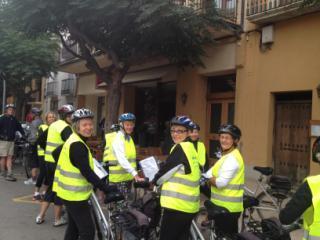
{"points": [[118, 149], [226, 172]]}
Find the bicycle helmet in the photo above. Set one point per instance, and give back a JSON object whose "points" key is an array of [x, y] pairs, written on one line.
{"points": [[10, 105], [127, 117], [232, 129], [81, 114], [194, 126], [115, 127], [181, 121], [66, 109], [36, 111]]}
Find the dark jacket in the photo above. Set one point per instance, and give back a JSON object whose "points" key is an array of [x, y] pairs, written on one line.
{"points": [[9, 125]]}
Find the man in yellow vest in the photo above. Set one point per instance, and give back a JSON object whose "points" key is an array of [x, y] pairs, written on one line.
{"points": [[124, 151], [195, 139], [306, 202], [75, 179], [227, 179], [57, 133], [179, 177]]}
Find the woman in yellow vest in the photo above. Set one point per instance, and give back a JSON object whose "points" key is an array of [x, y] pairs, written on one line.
{"points": [[75, 179], [108, 155], [227, 179], [306, 202], [42, 179], [179, 177], [123, 154]]}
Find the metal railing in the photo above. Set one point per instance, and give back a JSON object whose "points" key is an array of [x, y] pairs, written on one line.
{"points": [[226, 8], [51, 89], [67, 86], [255, 7]]}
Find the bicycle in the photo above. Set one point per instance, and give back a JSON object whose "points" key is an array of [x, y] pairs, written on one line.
{"points": [[23, 154], [270, 190]]}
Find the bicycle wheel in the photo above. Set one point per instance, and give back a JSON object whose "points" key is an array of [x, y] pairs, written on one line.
{"points": [[26, 158], [269, 206], [201, 217]]}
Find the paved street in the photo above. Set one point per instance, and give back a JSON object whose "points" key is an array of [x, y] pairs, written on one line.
{"points": [[18, 212]]}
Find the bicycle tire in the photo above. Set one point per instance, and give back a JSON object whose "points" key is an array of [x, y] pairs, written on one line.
{"points": [[265, 201], [26, 163]]}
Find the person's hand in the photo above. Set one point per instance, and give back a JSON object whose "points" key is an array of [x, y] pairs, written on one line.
{"points": [[138, 179], [212, 181], [151, 186]]}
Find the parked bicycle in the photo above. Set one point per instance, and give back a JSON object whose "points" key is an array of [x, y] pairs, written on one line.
{"points": [[271, 192]]}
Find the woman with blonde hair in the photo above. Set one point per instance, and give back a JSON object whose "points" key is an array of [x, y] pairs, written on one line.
{"points": [[50, 117]]}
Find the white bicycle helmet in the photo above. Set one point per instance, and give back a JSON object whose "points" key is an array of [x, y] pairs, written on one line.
{"points": [[81, 114]]}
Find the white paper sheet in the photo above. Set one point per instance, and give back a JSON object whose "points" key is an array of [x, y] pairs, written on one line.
{"points": [[99, 170], [149, 167]]}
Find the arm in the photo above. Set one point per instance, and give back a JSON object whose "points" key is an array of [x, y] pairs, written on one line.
{"points": [[19, 128], [299, 203], [226, 173], [56, 153], [79, 157], [174, 162], [66, 132], [42, 139], [119, 152]]}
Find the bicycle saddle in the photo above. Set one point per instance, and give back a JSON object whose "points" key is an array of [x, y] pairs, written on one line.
{"points": [[264, 170], [214, 211], [249, 201], [113, 197]]}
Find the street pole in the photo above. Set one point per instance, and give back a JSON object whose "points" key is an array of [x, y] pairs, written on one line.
{"points": [[3, 94]]}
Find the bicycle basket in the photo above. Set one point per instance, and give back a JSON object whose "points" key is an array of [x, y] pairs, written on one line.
{"points": [[280, 183]]}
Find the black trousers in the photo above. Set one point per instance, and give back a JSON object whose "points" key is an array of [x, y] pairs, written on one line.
{"points": [[175, 225], [51, 196], [232, 223], [42, 179], [80, 222]]}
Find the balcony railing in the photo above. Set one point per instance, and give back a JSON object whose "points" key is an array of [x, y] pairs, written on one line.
{"points": [[51, 89], [268, 11], [226, 8], [67, 86]]}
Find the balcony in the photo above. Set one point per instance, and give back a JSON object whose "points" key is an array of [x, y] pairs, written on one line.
{"points": [[51, 89], [66, 56], [67, 86], [226, 8], [270, 11]]}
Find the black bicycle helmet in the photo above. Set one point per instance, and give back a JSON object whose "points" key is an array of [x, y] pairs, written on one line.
{"points": [[115, 127], [181, 121], [36, 111], [81, 114], [232, 129], [10, 105]]}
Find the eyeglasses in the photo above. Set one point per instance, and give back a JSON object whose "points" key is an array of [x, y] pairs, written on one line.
{"points": [[177, 131]]}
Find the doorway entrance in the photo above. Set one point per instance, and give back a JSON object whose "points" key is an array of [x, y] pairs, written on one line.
{"points": [[291, 148]]}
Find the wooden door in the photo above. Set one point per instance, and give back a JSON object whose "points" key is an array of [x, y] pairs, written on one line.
{"points": [[219, 112], [291, 139]]}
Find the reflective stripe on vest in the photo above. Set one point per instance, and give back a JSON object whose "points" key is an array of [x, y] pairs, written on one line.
{"points": [[40, 151], [108, 152], [311, 217], [182, 191], [201, 149], [117, 173], [69, 183], [54, 139], [231, 196]]}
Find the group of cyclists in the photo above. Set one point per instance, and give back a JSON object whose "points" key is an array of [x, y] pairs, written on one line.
{"points": [[68, 177]]}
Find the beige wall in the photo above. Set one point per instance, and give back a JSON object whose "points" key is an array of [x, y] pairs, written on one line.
{"points": [[291, 65], [87, 85]]}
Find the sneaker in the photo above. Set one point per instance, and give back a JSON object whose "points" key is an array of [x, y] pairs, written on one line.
{"points": [[60, 222], [39, 220], [10, 178], [30, 181], [3, 175], [37, 197]]}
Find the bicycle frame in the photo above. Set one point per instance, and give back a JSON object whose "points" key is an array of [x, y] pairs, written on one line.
{"points": [[102, 223]]}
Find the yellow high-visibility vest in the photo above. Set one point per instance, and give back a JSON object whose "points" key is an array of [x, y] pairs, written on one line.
{"points": [[54, 139], [40, 150], [311, 217], [108, 155], [231, 196], [182, 191], [201, 149], [69, 183], [117, 173]]}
